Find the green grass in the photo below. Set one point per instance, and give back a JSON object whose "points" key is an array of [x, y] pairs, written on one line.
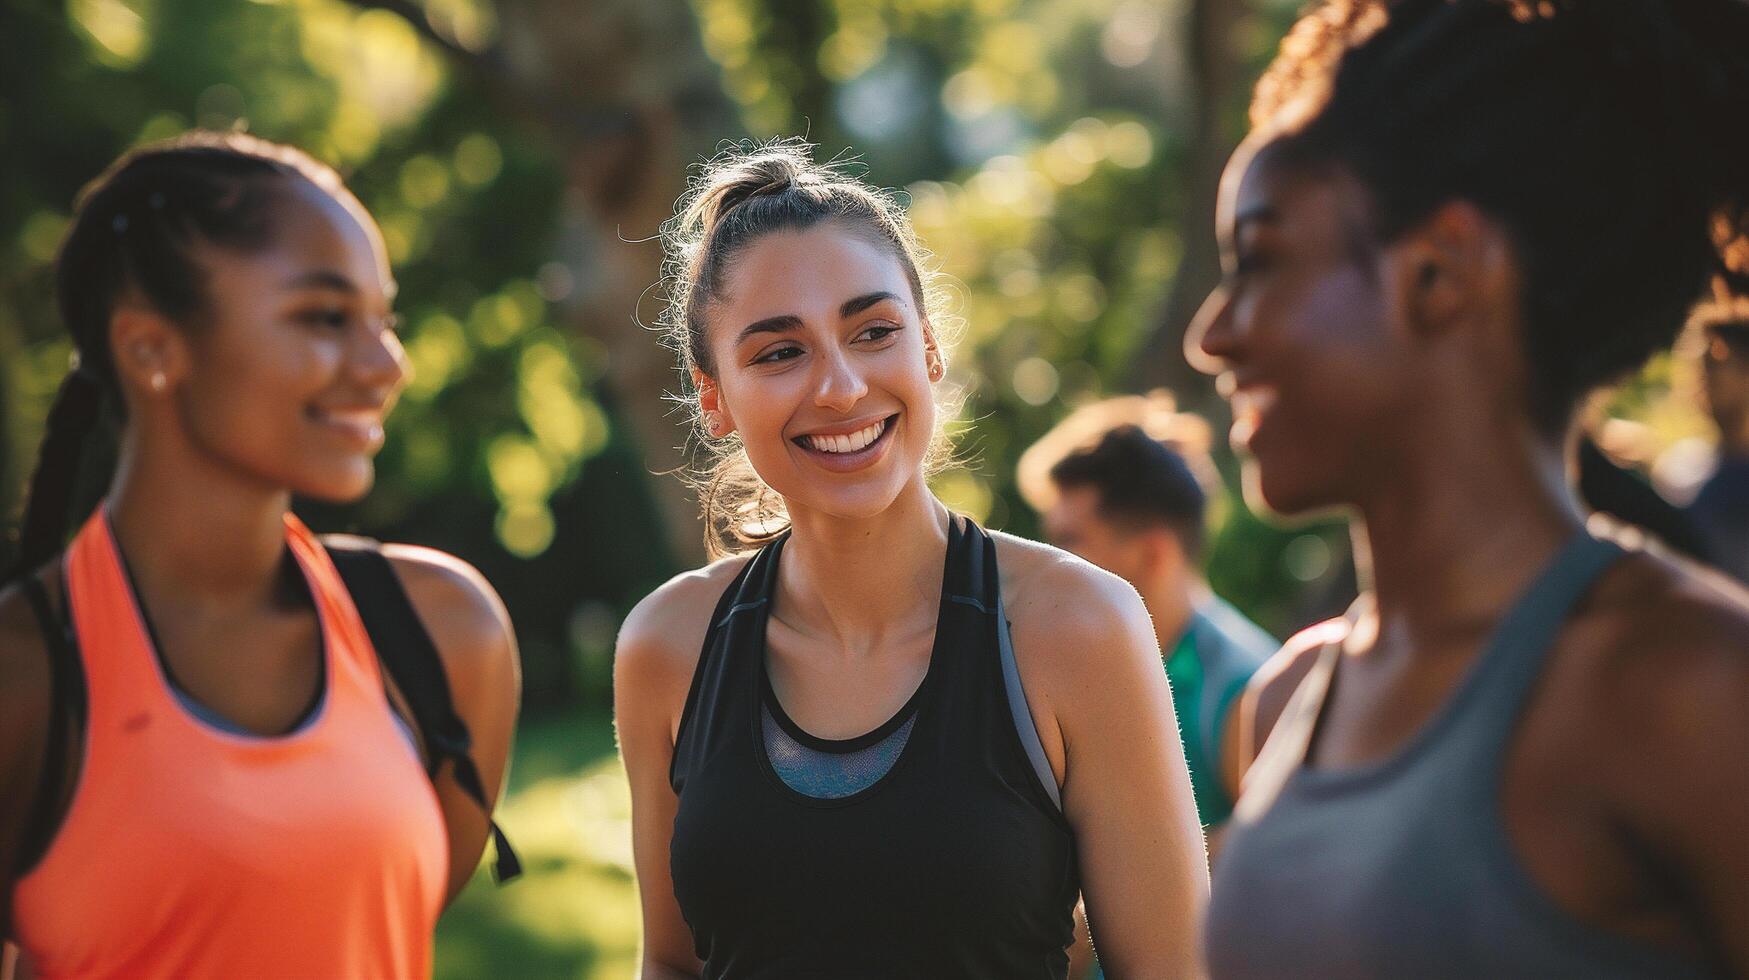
{"points": [[574, 912]]}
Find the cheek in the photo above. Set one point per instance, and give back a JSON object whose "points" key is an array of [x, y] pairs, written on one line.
{"points": [[251, 393], [1338, 348]]}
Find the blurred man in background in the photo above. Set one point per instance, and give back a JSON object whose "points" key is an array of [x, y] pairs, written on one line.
{"points": [[1721, 509], [1125, 483]]}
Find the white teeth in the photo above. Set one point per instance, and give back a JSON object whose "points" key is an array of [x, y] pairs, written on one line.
{"points": [[851, 443]]}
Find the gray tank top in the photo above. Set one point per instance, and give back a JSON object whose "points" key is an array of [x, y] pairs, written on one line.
{"points": [[1403, 868]]}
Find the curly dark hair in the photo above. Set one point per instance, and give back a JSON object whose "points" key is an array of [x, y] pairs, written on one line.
{"points": [[1609, 137]]}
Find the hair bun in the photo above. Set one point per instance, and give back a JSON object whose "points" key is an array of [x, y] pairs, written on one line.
{"points": [[732, 180]]}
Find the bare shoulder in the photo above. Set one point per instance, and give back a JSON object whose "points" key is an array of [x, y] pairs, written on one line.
{"points": [[1278, 678], [1269, 690], [1068, 614], [1662, 648], [661, 638], [461, 610]]}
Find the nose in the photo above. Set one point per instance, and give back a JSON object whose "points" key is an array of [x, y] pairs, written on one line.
{"points": [[1211, 342], [840, 385], [379, 360]]}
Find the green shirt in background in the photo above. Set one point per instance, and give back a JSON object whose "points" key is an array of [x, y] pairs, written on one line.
{"points": [[1208, 667]]}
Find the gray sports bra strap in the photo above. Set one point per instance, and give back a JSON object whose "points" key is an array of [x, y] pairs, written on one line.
{"points": [[1022, 712], [1516, 653]]}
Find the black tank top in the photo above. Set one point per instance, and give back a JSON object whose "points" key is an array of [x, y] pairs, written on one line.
{"points": [[955, 863]]}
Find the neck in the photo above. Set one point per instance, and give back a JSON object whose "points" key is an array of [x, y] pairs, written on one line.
{"points": [[1458, 535], [855, 583], [194, 532], [1170, 601]]}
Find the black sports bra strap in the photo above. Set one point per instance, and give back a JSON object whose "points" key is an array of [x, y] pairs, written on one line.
{"points": [[66, 716]]}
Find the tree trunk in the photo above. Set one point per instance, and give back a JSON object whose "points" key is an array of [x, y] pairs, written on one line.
{"points": [[1215, 73], [626, 92]]}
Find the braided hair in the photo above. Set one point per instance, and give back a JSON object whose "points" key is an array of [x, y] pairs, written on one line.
{"points": [[1608, 137], [135, 231]]}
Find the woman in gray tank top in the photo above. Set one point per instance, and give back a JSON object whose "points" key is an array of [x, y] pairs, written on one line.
{"points": [[1526, 750]]}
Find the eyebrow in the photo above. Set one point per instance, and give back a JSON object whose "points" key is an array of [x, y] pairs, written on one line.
{"points": [[852, 307], [771, 324], [322, 279], [329, 279], [1256, 214], [789, 321]]}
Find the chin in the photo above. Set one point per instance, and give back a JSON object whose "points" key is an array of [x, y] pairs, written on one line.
{"points": [[1285, 496], [863, 503], [342, 485]]}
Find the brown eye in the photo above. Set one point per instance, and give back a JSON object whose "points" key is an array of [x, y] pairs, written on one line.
{"points": [[785, 353], [330, 318]]}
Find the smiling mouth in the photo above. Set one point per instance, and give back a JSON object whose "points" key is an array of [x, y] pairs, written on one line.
{"points": [[847, 443], [1249, 406], [363, 425]]}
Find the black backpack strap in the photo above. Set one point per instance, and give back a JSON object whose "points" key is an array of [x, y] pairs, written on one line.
{"points": [[66, 716], [405, 650]]}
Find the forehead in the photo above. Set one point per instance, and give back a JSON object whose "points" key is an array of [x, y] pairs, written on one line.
{"points": [[314, 228], [1320, 204], [803, 272], [310, 231]]}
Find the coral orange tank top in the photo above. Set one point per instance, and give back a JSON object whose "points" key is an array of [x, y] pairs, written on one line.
{"points": [[191, 852]]}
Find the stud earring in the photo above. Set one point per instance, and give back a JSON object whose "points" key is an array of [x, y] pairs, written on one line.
{"points": [[158, 381], [936, 370], [714, 426]]}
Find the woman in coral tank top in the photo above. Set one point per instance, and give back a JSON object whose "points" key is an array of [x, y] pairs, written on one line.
{"points": [[200, 773]]}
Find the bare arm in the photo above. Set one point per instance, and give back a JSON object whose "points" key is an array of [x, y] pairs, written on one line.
{"points": [[1126, 790], [473, 635], [654, 661], [24, 722], [1677, 765]]}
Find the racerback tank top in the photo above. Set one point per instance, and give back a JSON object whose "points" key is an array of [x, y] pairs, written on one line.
{"points": [[953, 863], [1403, 867], [192, 852]]}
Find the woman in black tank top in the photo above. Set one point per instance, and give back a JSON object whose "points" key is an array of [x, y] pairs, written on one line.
{"points": [[1525, 754], [861, 746]]}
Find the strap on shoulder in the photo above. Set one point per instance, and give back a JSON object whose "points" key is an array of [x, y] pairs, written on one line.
{"points": [[404, 648], [66, 713]]}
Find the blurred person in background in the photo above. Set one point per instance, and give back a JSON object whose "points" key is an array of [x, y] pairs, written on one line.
{"points": [[843, 762], [1721, 508], [205, 771], [1523, 752], [1125, 484]]}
